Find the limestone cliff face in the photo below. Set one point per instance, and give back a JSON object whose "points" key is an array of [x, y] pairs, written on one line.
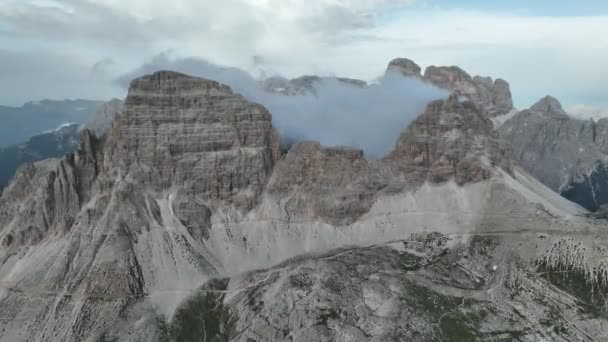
{"points": [[189, 185], [452, 139], [180, 131], [493, 97]]}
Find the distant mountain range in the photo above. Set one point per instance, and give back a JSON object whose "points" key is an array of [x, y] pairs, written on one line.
{"points": [[566, 154], [51, 144], [17, 124]]}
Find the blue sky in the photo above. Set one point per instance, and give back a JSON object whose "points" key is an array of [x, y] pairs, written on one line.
{"points": [[78, 48], [526, 7]]}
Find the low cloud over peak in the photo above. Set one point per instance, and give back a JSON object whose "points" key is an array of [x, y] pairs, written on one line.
{"points": [[336, 113]]}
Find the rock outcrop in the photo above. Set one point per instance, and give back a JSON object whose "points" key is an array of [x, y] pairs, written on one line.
{"points": [[452, 139], [493, 97], [405, 67], [184, 219]]}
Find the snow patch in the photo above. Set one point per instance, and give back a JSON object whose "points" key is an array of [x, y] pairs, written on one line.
{"points": [[60, 127]]}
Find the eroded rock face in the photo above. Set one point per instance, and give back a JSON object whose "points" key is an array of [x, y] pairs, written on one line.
{"points": [[452, 139], [493, 97], [189, 185], [182, 131], [551, 145]]}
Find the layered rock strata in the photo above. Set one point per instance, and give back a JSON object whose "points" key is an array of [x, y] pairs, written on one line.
{"points": [[189, 185]]}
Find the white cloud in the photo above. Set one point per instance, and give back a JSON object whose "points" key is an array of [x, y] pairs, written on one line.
{"points": [[588, 112], [561, 56]]}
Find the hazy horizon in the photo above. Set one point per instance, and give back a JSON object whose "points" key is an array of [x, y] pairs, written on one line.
{"points": [[56, 49]]}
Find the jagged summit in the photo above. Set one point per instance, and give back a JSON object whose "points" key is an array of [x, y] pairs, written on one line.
{"points": [[549, 105], [404, 66], [176, 129], [171, 82], [493, 97], [455, 139], [565, 153]]}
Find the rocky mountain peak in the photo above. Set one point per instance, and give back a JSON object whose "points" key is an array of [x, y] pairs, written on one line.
{"points": [[493, 97], [171, 82], [405, 66], [452, 78], [178, 130], [187, 186], [549, 105], [453, 138]]}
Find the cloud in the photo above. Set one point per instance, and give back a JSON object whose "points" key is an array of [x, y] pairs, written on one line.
{"points": [[561, 56], [103, 66], [340, 114], [45, 74], [588, 112]]}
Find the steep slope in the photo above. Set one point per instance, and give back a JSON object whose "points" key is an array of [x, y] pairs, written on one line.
{"points": [[51, 144], [90, 239], [493, 97], [189, 185], [564, 153], [589, 189]]}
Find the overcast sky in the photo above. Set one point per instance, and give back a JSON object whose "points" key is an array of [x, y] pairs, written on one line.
{"points": [[78, 48]]}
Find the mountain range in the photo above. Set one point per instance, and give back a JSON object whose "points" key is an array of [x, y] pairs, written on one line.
{"points": [[52, 144], [186, 221], [21, 123]]}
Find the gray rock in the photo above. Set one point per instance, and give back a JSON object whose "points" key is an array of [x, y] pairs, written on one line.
{"points": [[188, 185], [492, 97], [412, 290], [550, 106], [405, 67], [551, 145], [177, 130]]}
